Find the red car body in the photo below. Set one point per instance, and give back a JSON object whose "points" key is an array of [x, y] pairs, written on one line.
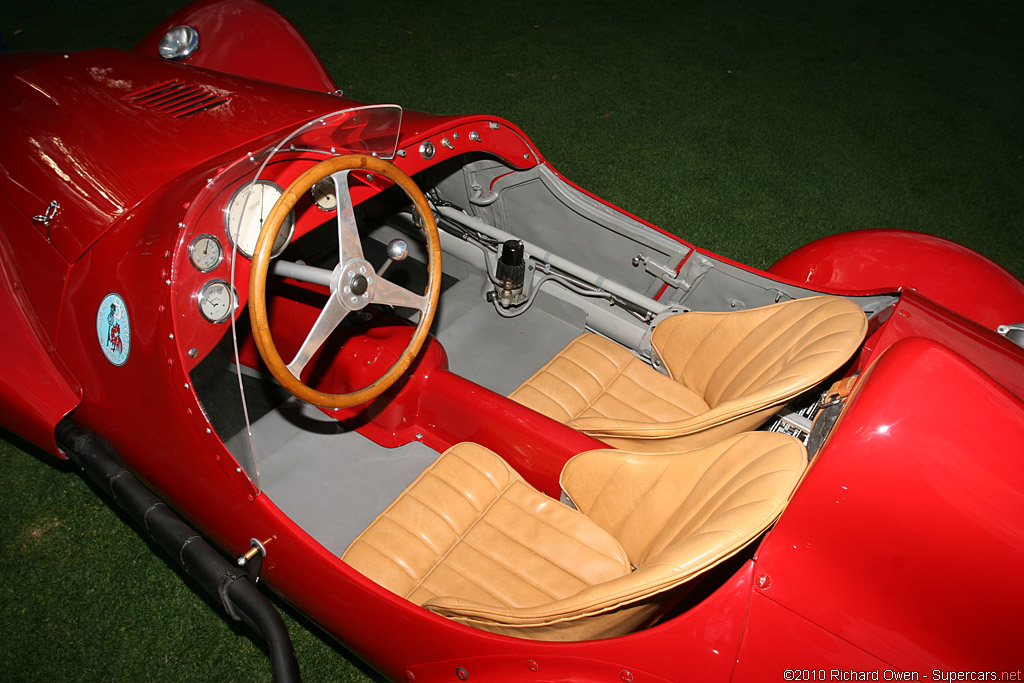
{"points": [[900, 552]]}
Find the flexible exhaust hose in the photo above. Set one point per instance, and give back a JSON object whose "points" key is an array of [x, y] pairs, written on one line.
{"points": [[211, 570]]}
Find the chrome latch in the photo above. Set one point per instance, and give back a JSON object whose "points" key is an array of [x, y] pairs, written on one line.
{"points": [[43, 219], [1014, 333]]}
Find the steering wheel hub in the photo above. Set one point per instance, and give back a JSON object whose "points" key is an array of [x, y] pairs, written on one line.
{"points": [[356, 282]]}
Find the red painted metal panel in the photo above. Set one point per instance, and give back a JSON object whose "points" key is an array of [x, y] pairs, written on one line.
{"points": [[36, 389], [904, 539], [873, 260], [233, 38], [100, 168], [779, 645], [915, 316]]}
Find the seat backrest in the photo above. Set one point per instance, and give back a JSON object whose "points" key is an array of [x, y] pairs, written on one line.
{"points": [[686, 512], [760, 356]]}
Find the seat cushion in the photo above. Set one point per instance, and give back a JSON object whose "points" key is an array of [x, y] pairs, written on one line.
{"points": [[471, 527], [594, 380]]}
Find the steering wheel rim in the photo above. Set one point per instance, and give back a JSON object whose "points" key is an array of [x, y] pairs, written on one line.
{"points": [[261, 264]]}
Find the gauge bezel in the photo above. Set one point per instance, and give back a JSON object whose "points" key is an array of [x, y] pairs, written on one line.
{"points": [[199, 297], [191, 252], [319, 196], [288, 224]]}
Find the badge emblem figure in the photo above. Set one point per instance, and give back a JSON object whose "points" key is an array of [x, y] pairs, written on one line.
{"points": [[113, 329]]}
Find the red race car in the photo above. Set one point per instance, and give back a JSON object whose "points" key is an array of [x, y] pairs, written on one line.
{"points": [[476, 422]]}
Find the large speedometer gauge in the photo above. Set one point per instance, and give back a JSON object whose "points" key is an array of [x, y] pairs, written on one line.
{"points": [[244, 215]]}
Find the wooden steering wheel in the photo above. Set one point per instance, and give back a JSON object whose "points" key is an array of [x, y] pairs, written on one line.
{"points": [[354, 283]]}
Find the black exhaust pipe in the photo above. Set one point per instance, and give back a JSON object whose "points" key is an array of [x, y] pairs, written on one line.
{"points": [[241, 599]]}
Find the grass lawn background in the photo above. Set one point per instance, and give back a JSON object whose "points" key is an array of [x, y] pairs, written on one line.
{"points": [[748, 128]]}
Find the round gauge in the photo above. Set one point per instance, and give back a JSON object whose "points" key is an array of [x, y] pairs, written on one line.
{"points": [[248, 208], [216, 300], [325, 195], [205, 253]]}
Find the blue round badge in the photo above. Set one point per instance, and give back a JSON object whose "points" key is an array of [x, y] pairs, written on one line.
{"points": [[113, 329]]}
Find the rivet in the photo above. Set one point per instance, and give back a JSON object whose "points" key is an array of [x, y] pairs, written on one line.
{"points": [[462, 673], [763, 581], [193, 352], [410, 676], [626, 676], [532, 665], [170, 336]]}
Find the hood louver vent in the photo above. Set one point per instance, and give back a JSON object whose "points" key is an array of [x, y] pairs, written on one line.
{"points": [[176, 98]]}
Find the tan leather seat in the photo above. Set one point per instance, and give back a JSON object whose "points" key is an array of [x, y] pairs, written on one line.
{"points": [[471, 540], [727, 373]]}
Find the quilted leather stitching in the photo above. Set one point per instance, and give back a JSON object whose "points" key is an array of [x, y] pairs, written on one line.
{"points": [[649, 502], [726, 366], [596, 378], [713, 500], [485, 557]]}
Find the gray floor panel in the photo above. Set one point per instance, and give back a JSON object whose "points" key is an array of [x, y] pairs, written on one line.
{"points": [[501, 353], [331, 483]]}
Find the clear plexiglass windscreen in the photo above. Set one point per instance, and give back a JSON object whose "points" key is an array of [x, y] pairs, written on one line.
{"points": [[372, 130]]}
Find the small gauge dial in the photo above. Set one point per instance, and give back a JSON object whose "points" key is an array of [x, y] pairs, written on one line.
{"points": [[245, 213], [325, 195], [205, 253], [216, 300]]}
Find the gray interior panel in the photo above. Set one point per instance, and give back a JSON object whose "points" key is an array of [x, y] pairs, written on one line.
{"points": [[496, 352], [331, 482]]}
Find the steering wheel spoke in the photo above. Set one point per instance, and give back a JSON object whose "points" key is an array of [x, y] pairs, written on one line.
{"points": [[328, 320], [388, 293], [349, 245]]}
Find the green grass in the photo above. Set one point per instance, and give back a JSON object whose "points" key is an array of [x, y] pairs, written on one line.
{"points": [[749, 128]]}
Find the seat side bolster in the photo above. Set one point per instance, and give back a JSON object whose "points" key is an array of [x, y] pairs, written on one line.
{"points": [[608, 485], [591, 601], [767, 397]]}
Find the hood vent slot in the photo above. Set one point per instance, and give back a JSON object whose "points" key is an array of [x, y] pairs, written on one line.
{"points": [[176, 98]]}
